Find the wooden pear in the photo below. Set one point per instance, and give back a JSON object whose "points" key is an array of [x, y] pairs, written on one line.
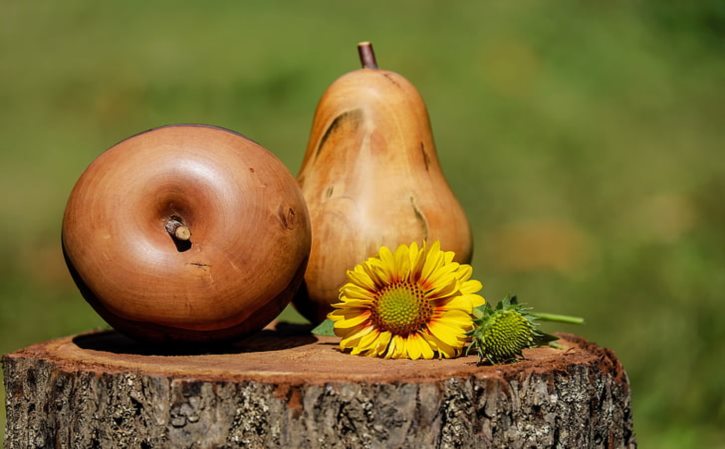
{"points": [[371, 177]]}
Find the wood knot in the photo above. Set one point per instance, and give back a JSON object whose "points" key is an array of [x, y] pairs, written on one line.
{"points": [[287, 216]]}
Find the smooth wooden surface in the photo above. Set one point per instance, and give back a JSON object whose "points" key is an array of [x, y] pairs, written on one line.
{"points": [[287, 389], [279, 357], [371, 177], [248, 244]]}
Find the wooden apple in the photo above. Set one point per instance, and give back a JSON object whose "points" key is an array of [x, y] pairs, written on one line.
{"points": [[187, 233]]}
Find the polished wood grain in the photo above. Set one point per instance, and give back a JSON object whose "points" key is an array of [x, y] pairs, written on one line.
{"points": [[371, 177], [187, 233]]}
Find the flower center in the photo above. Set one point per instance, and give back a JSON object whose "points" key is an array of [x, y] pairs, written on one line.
{"points": [[401, 308]]}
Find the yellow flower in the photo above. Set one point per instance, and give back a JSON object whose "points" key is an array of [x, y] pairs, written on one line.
{"points": [[413, 303]]}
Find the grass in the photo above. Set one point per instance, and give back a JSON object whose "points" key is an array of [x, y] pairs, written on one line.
{"points": [[584, 139]]}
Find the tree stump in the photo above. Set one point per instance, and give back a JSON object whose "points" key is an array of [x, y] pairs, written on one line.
{"points": [[288, 389]]}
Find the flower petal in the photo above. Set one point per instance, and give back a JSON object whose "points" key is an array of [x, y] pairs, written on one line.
{"points": [[417, 260], [345, 313], [413, 255], [446, 333], [444, 271], [381, 276], [391, 347], [427, 352], [382, 343], [433, 260], [361, 278], [351, 338], [459, 302], [442, 348], [352, 320], [366, 342], [354, 291], [412, 347], [464, 272], [444, 287], [477, 300], [399, 347], [457, 319], [472, 286], [386, 256], [353, 303], [402, 262]]}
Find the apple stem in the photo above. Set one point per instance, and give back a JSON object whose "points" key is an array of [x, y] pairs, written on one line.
{"points": [[177, 229], [367, 55]]}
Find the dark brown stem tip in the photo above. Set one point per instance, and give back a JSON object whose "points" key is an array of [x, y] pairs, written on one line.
{"points": [[367, 55], [177, 230]]}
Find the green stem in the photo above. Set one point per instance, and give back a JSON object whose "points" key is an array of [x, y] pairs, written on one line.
{"points": [[568, 319]]}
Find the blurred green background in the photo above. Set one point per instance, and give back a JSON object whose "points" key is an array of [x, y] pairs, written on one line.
{"points": [[585, 140]]}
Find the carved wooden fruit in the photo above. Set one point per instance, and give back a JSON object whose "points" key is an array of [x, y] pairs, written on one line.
{"points": [[187, 233], [371, 177]]}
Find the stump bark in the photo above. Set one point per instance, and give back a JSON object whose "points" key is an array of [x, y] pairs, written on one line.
{"points": [[292, 390]]}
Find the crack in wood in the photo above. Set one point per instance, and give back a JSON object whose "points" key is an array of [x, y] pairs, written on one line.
{"points": [[420, 218], [426, 158], [390, 78], [200, 265], [352, 117]]}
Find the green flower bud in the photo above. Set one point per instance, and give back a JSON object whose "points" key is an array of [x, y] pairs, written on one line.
{"points": [[501, 334]]}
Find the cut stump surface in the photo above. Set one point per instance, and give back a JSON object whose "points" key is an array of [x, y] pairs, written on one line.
{"points": [[286, 388]]}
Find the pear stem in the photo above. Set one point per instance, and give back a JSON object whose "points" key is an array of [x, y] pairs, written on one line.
{"points": [[177, 230], [367, 55], [559, 318]]}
